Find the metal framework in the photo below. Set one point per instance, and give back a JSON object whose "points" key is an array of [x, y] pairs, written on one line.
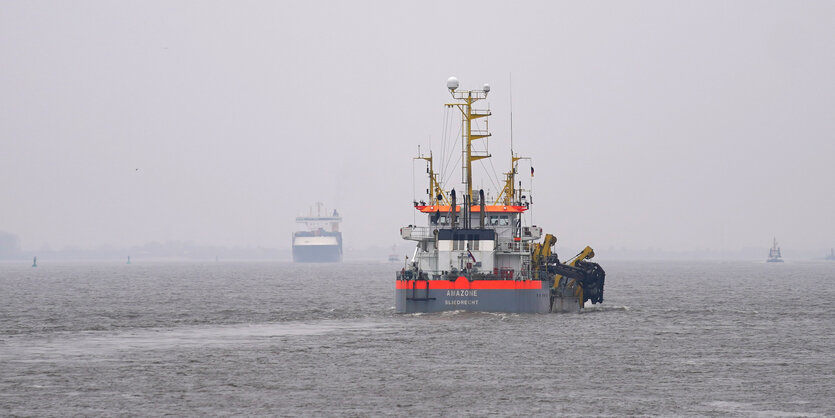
{"points": [[468, 97], [435, 189]]}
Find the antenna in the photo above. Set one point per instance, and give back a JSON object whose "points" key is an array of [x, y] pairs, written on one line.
{"points": [[510, 76]]}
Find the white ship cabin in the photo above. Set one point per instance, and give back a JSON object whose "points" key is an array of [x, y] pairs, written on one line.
{"points": [[482, 241], [320, 222]]}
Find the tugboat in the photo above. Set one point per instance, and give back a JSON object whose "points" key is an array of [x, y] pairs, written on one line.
{"points": [[478, 255], [315, 243], [774, 253]]}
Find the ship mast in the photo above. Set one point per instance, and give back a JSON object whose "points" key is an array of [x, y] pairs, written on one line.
{"points": [[468, 135], [435, 192], [508, 195]]}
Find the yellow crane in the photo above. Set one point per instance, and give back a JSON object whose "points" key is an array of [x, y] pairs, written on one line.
{"points": [[541, 252], [575, 277], [586, 254], [572, 283]]}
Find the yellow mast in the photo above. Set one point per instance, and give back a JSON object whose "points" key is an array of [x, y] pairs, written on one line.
{"points": [[508, 194], [468, 135], [434, 186]]}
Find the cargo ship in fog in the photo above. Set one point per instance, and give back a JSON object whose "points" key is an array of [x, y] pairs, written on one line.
{"points": [[320, 240], [393, 257], [476, 253]]}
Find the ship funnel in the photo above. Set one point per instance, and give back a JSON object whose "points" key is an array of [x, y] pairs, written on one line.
{"points": [[452, 209], [466, 211], [481, 208]]}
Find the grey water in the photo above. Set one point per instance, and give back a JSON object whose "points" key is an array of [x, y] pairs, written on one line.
{"points": [[270, 338]]}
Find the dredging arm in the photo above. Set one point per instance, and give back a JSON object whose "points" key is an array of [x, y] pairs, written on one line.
{"points": [[576, 277], [586, 254], [541, 252]]}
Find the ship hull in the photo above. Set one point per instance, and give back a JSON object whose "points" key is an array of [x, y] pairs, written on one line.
{"points": [[317, 247], [317, 253], [510, 296]]}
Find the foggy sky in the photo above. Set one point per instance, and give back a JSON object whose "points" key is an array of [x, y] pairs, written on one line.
{"points": [[677, 125]]}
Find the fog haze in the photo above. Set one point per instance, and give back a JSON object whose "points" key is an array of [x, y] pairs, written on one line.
{"points": [[673, 125]]}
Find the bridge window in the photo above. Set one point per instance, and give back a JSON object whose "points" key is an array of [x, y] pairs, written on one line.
{"points": [[465, 244]]}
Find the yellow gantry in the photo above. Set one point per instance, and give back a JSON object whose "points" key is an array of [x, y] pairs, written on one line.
{"points": [[435, 189], [541, 252], [468, 97], [508, 193]]}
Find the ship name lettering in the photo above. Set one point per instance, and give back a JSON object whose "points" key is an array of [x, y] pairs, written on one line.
{"points": [[461, 302], [464, 293]]}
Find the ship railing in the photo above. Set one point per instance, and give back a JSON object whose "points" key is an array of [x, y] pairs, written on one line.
{"points": [[511, 246], [467, 94], [416, 233], [428, 255], [412, 275]]}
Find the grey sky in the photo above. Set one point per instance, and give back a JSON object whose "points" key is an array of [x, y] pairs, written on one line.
{"points": [[679, 125]]}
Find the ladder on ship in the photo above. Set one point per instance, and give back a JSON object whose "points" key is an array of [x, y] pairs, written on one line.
{"points": [[415, 291]]}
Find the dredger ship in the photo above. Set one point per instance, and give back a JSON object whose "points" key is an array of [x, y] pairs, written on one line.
{"points": [[478, 255]]}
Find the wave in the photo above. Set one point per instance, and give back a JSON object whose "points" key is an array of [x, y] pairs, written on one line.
{"points": [[598, 308]]}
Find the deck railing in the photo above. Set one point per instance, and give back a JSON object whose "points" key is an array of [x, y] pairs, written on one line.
{"points": [[416, 233], [508, 245]]}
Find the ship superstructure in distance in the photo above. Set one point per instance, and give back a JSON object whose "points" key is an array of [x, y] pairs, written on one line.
{"points": [[393, 257], [774, 255], [831, 256], [477, 253], [319, 240]]}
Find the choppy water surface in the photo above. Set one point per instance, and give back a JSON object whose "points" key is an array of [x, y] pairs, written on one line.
{"points": [[672, 338]]}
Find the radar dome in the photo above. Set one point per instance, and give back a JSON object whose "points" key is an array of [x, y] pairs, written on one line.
{"points": [[452, 83], [486, 88]]}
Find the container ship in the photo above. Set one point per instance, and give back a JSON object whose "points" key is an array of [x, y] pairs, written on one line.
{"points": [[319, 241], [774, 255], [475, 253]]}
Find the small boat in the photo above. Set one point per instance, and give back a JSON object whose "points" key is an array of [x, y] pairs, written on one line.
{"points": [[774, 255], [393, 257]]}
